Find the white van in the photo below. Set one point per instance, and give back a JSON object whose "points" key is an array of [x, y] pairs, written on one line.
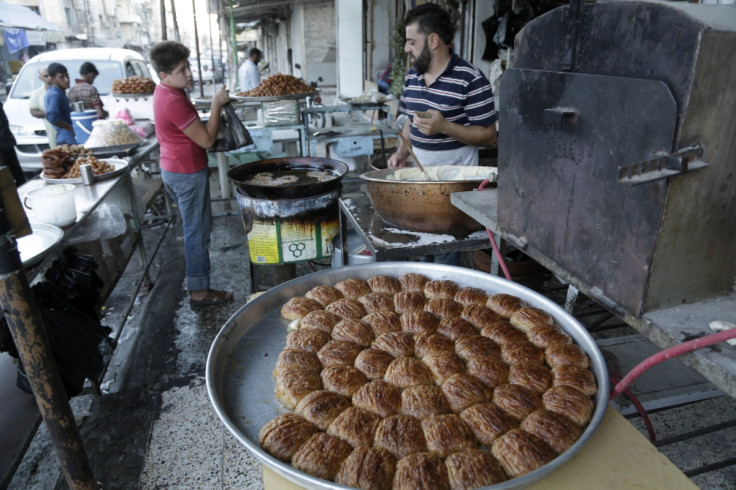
{"points": [[30, 133]]}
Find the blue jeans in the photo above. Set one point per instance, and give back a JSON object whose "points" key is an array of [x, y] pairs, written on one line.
{"points": [[191, 192]]}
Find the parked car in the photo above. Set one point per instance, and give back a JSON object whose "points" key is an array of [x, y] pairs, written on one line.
{"points": [[30, 133], [209, 75]]}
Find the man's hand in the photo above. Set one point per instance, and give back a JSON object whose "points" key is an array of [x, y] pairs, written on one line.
{"points": [[396, 160], [430, 125], [221, 98]]}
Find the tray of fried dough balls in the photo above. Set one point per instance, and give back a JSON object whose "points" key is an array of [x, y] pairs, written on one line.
{"points": [[407, 375]]}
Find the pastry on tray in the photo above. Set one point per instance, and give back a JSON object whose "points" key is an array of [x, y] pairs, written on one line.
{"points": [[411, 382]]}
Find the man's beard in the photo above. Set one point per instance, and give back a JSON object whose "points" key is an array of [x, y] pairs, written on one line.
{"points": [[421, 63]]}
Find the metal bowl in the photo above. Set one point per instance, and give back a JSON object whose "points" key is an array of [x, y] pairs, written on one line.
{"points": [[240, 174], [244, 354], [420, 205]]}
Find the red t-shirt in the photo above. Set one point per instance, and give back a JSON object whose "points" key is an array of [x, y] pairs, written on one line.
{"points": [[173, 112]]}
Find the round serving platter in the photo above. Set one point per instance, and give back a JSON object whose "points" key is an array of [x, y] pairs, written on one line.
{"points": [[33, 247], [273, 98], [120, 166], [244, 353]]}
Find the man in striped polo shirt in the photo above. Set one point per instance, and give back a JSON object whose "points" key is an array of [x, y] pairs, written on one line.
{"points": [[449, 101]]}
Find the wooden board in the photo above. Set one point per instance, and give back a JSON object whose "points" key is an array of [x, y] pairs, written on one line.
{"points": [[617, 456]]}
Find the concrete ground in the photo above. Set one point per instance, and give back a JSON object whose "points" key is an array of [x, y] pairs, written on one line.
{"points": [[154, 426]]}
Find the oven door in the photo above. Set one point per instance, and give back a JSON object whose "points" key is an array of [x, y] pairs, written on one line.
{"points": [[562, 138]]}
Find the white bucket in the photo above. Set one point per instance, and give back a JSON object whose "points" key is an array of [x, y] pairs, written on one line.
{"points": [[53, 204]]}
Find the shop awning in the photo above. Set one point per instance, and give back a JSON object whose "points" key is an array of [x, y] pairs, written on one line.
{"points": [[36, 30]]}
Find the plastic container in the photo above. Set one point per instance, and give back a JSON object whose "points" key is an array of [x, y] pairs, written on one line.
{"points": [[82, 122], [53, 204]]}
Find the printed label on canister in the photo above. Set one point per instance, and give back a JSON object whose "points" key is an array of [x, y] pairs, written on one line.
{"points": [[330, 229], [263, 242], [298, 241]]}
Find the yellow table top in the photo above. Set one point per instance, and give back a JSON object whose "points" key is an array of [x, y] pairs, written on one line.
{"points": [[617, 456]]}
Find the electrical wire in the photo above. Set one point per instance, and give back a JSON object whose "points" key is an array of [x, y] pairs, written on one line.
{"points": [[496, 251], [615, 378]]}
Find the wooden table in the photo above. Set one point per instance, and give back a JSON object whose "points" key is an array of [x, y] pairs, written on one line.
{"points": [[617, 456]]}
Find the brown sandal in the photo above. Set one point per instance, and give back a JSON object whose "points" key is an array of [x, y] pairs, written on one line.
{"points": [[213, 297]]}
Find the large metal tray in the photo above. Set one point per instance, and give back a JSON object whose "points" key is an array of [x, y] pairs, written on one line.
{"points": [[244, 354]]}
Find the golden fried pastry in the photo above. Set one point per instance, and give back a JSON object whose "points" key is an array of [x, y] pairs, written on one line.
{"points": [[322, 407], [463, 390], [470, 295], [344, 380], [428, 343], [479, 315], [355, 331], [530, 316], [516, 401], [566, 355], [377, 302], [320, 319], [368, 468], [419, 321], [321, 456], [520, 452], [454, 328], [489, 369], [337, 352], [282, 436], [421, 471], [398, 344], [353, 288], [472, 346], [324, 295], [408, 371], [308, 339], [444, 307], [530, 375], [544, 336], [347, 308], [409, 301], [503, 333], [557, 431], [473, 468], [441, 288], [487, 421], [446, 434], [384, 284], [581, 379], [382, 322], [298, 307], [400, 435], [525, 351], [373, 363], [355, 426], [505, 304], [296, 358], [423, 401], [412, 281], [443, 365], [294, 384], [569, 402], [379, 397]]}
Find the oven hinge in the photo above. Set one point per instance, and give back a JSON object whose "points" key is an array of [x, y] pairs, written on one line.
{"points": [[662, 166]]}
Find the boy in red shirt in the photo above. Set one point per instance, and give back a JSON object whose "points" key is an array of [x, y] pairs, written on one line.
{"points": [[183, 140]]}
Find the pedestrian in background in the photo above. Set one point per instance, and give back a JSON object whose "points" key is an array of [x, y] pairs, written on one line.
{"points": [[248, 75], [83, 90], [183, 140], [37, 104], [58, 106]]}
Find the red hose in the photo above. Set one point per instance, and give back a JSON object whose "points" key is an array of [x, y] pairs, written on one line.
{"points": [[615, 378], [496, 251], [675, 351]]}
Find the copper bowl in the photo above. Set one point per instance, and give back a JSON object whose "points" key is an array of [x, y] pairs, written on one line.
{"points": [[421, 205]]}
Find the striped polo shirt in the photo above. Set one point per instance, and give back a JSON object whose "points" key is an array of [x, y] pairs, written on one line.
{"points": [[462, 94]]}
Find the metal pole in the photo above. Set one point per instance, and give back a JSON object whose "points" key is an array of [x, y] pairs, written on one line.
{"points": [[30, 339], [196, 44], [235, 46], [176, 23], [162, 6]]}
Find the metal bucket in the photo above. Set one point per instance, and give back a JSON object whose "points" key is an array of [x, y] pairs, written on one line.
{"points": [[290, 230]]}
